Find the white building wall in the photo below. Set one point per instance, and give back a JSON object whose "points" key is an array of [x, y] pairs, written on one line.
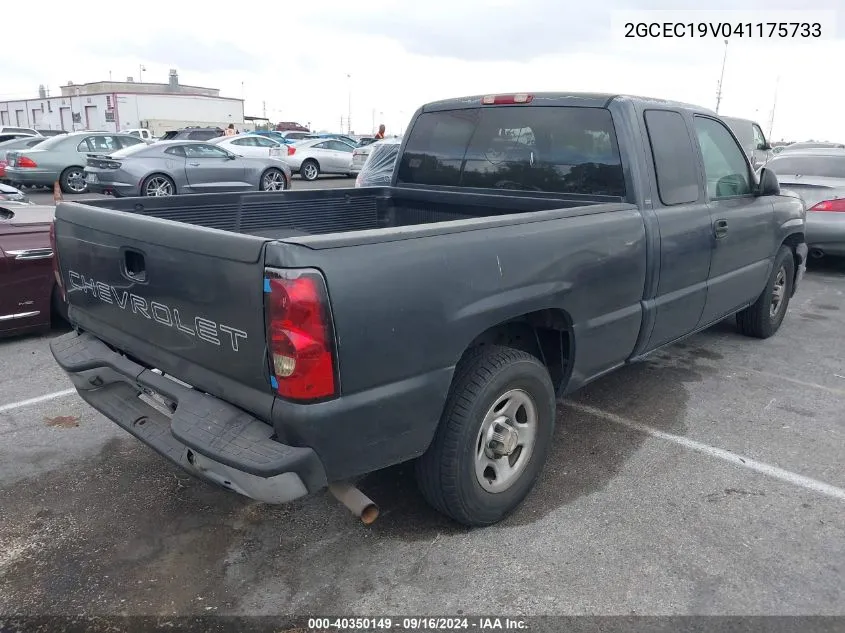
{"points": [[128, 110], [136, 109]]}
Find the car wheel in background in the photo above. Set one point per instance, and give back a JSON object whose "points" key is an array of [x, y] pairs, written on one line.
{"points": [[309, 170], [273, 180], [157, 186], [72, 180]]}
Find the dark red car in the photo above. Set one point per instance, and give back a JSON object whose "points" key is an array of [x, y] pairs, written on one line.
{"points": [[29, 297]]}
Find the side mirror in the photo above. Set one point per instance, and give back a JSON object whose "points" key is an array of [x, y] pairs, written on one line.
{"points": [[232, 156], [769, 185], [765, 147]]}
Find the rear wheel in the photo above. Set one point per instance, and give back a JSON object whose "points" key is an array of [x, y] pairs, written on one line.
{"points": [[158, 185], [764, 317], [72, 180], [493, 437], [273, 180], [309, 170]]}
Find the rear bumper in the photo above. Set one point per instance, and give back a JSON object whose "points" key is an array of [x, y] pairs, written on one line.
{"points": [[826, 232], [28, 176], [207, 437]]}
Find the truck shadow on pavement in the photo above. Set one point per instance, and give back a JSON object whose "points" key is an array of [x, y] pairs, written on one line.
{"points": [[126, 532]]}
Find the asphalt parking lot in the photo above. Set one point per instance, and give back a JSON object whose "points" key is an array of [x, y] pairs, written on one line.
{"points": [[707, 480]]}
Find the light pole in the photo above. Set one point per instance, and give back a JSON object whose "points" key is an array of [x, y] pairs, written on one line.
{"points": [[141, 70], [721, 78], [774, 104], [349, 106]]}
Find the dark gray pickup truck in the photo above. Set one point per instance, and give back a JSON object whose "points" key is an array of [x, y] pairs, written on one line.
{"points": [[279, 343]]}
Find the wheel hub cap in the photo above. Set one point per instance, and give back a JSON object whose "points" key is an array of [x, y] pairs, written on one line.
{"points": [[505, 441]]}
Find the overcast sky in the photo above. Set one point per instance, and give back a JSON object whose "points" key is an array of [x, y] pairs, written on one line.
{"points": [[295, 57]]}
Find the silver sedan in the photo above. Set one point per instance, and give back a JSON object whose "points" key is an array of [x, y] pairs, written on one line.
{"points": [[817, 176], [320, 156], [168, 168]]}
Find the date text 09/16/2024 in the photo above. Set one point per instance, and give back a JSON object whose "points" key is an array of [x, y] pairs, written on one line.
{"points": [[490, 623]]}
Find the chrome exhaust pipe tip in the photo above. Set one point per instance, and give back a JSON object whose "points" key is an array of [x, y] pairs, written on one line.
{"points": [[356, 501]]}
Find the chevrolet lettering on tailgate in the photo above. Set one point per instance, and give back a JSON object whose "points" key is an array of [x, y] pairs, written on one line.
{"points": [[204, 329]]}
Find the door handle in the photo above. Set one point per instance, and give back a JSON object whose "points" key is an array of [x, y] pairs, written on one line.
{"points": [[35, 253], [720, 228], [194, 164]]}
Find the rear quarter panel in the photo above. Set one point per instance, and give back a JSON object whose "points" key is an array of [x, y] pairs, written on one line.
{"points": [[417, 303], [406, 310]]}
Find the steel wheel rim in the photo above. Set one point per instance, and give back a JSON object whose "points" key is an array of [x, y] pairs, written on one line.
{"points": [[310, 171], [76, 181], [778, 292], [157, 187], [505, 441], [274, 181]]}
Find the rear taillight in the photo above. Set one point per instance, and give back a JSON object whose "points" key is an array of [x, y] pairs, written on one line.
{"points": [[830, 205], [300, 337], [56, 272], [507, 99], [291, 150], [26, 161]]}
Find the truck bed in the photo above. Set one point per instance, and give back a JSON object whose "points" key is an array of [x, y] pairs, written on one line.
{"points": [[317, 212]]}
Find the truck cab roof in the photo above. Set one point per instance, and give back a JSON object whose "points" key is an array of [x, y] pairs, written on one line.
{"points": [[583, 99]]}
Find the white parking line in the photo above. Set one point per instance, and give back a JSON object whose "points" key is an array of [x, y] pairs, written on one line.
{"points": [[738, 460], [26, 403]]}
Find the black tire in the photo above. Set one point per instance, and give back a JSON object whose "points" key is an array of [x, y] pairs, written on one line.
{"points": [[273, 170], [67, 174], [446, 473], [762, 319], [164, 178], [309, 170]]}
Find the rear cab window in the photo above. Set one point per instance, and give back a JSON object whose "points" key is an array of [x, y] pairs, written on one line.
{"points": [[556, 149], [675, 162]]}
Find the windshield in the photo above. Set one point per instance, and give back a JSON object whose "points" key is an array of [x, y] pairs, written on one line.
{"points": [[820, 166], [128, 151], [54, 141]]}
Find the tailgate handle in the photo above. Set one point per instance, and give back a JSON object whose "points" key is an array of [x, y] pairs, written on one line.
{"points": [[134, 267]]}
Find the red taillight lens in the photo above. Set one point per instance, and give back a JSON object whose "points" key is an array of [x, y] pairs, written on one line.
{"points": [[56, 271], [291, 150], [26, 161], [300, 337], [507, 99], [830, 205]]}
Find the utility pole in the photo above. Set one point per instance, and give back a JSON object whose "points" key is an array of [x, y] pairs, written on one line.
{"points": [[264, 109], [141, 70], [774, 104], [349, 107], [721, 78]]}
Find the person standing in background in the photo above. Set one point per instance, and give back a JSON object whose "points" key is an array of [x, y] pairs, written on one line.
{"points": [[230, 131], [380, 133]]}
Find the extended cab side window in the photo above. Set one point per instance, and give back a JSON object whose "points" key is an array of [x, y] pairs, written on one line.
{"points": [[675, 162], [725, 167]]}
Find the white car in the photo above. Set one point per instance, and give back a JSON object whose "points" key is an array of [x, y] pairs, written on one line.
{"points": [[320, 156], [252, 146]]}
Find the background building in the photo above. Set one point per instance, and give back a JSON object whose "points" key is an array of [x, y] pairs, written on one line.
{"points": [[121, 105]]}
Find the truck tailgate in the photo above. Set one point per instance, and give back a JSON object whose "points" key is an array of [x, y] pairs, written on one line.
{"points": [[180, 298]]}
